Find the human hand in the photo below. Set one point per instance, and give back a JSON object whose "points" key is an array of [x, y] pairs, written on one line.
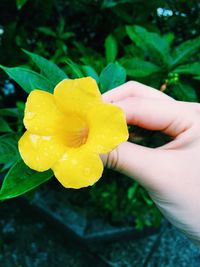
{"points": [[170, 173]]}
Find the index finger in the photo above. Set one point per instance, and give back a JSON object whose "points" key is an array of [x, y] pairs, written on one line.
{"points": [[132, 89], [170, 117]]}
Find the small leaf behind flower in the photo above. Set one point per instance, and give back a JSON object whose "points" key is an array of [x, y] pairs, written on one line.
{"points": [[90, 71], [112, 76], [8, 148], [20, 3], [50, 70], [28, 79], [21, 179], [190, 69], [11, 112], [185, 92], [154, 44], [136, 67], [111, 49], [75, 68], [4, 126], [184, 51]]}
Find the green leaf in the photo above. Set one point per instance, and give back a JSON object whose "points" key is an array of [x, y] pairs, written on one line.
{"points": [[20, 3], [111, 48], [6, 166], [169, 37], [67, 35], [192, 69], [90, 71], [47, 31], [8, 148], [154, 44], [132, 190], [75, 68], [133, 51], [111, 76], [147, 199], [61, 26], [90, 57], [21, 179], [48, 69], [184, 92], [136, 67], [28, 79], [184, 51], [4, 126], [113, 3], [11, 112]]}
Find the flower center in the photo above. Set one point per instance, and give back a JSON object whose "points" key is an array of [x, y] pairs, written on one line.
{"points": [[76, 131]]}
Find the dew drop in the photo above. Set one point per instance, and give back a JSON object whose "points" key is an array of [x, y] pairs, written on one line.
{"points": [[34, 138], [30, 115], [47, 138]]}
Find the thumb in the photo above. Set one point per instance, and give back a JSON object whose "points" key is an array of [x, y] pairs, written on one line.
{"points": [[135, 161], [138, 162]]}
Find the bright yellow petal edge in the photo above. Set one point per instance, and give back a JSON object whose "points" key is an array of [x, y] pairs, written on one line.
{"points": [[67, 130], [108, 127], [78, 168]]}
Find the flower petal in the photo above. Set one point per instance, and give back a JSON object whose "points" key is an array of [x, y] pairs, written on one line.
{"points": [[40, 152], [78, 168], [41, 114], [107, 128], [77, 95]]}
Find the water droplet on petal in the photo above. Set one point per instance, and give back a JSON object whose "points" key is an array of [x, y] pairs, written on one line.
{"points": [[74, 162], [34, 138], [47, 138], [30, 115], [64, 157]]}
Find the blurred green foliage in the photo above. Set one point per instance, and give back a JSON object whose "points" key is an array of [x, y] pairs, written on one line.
{"points": [[154, 42]]}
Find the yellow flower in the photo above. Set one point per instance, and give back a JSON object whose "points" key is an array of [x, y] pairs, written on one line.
{"points": [[67, 130]]}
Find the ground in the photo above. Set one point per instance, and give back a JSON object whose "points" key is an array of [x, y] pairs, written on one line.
{"points": [[27, 240]]}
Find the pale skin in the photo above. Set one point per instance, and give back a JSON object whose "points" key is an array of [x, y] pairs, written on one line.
{"points": [[170, 173]]}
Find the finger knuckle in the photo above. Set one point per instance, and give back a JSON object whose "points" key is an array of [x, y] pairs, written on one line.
{"points": [[195, 110], [132, 84], [112, 160]]}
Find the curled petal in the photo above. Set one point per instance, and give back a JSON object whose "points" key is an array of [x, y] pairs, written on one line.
{"points": [[107, 128], [78, 168], [77, 95], [40, 152], [41, 114]]}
